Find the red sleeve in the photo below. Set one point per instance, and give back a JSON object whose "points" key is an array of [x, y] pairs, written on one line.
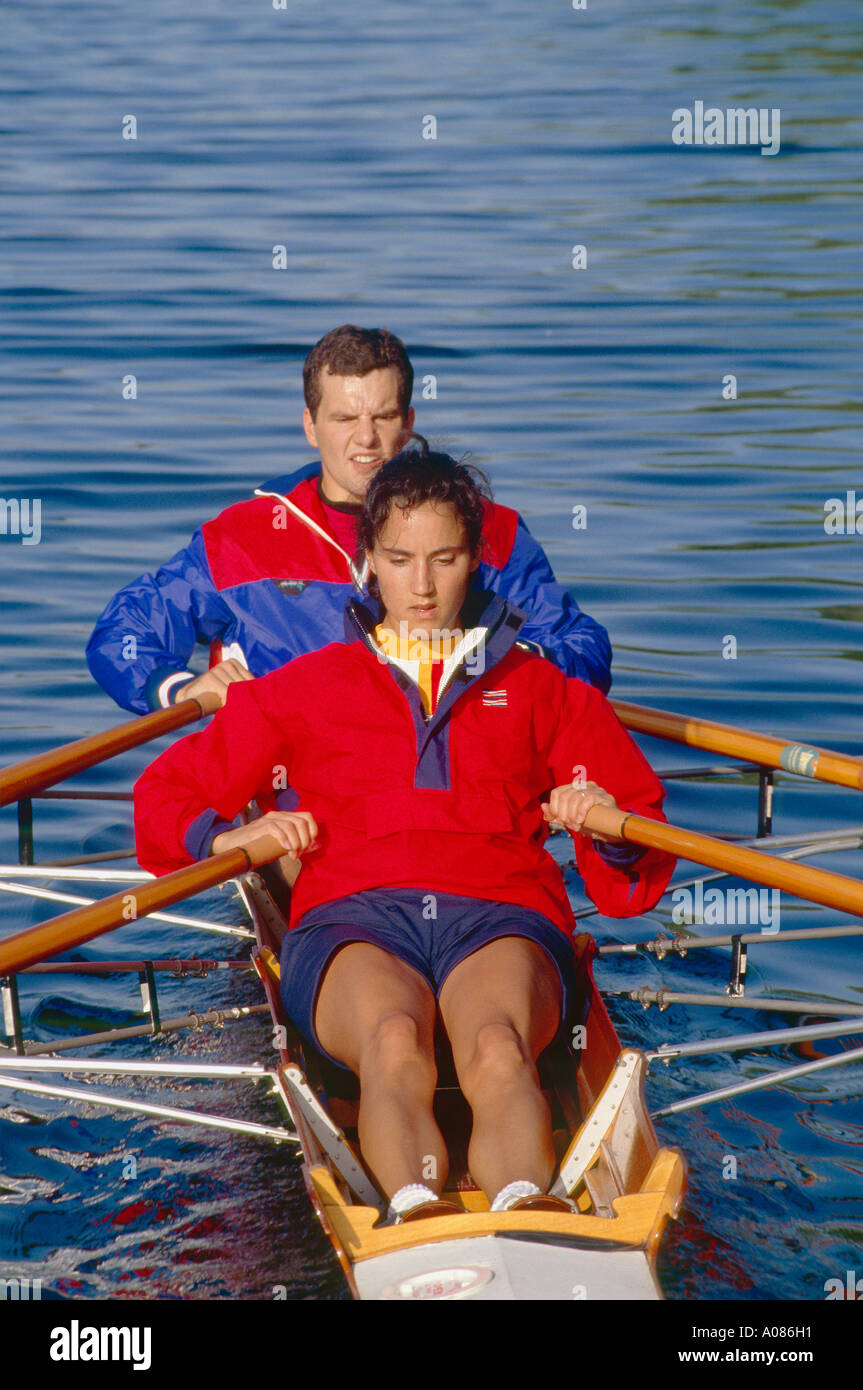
{"points": [[591, 737], [237, 757]]}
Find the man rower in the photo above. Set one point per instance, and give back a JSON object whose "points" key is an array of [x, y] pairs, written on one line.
{"points": [[267, 579], [416, 783]]}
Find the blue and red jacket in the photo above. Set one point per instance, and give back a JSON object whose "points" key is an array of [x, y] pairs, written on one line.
{"points": [[266, 581], [447, 803]]}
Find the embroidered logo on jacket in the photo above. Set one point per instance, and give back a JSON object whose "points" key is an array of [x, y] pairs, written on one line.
{"points": [[292, 586], [495, 698]]}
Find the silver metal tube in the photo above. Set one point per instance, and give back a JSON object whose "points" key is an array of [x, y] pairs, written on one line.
{"points": [[821, 841], [252, 1072], [159, 1112], [664, 997], [93, 875], [679, 945], [212, 1018], [31, 891], [742, 1041], [774, 1078], [192, 968], [712, 770]]}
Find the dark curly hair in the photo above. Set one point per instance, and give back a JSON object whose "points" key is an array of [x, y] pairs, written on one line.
{"points": [[416, 475], [352, 351]]}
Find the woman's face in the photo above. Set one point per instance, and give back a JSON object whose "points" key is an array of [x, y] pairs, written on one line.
{"points": [[423, 565]]}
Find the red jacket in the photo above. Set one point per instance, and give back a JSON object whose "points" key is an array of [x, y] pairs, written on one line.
{"points": [[449, 804]]}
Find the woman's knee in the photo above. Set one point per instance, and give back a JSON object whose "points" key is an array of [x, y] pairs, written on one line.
{"points": [[497, 1059], [399, 1043]]}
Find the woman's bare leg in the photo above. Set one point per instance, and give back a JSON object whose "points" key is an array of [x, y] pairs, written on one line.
{"points": [[501, 1007], [377, 1016]]}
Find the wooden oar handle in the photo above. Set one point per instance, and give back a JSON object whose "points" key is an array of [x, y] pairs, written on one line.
{"points": [[801, 880], [33, 775], [72, 929], [802, 758]]}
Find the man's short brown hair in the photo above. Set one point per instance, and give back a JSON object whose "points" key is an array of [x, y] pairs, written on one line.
{"points": [[351, 351]]}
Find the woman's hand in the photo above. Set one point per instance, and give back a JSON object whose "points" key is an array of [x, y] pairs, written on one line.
{"points": [[569, 804], [296, 830]]}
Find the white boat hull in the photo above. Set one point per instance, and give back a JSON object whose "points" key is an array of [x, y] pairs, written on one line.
{"points": [[499, 1268]]}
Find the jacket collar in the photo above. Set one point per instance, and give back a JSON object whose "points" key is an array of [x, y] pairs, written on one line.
{"points": [[286, 482], [311, 513], [482, 609]]}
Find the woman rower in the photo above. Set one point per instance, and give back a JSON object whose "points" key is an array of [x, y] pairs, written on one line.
{"points": [[413, 769]]}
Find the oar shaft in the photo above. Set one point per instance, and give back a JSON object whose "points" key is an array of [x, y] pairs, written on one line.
{"points": [[800, 880], [32, 775], [72, 929], [802, 758]]}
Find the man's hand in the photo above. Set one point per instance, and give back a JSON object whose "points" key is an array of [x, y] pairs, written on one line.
{"points": [[215, 681], [296, 830], [569, 804]]}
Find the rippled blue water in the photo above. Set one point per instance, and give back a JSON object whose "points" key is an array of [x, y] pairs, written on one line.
{"points": [[600, 387]]}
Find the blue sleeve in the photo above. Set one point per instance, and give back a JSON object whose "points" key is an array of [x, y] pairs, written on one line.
{"points": [[573, 640], [149, 629]]}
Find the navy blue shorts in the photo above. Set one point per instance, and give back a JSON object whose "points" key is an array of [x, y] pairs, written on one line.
{"points": [[393, 918]]}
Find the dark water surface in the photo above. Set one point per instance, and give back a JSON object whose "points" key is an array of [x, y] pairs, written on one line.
{"points": [[602, 387]]}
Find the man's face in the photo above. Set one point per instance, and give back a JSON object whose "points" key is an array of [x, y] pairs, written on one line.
{"points": [[423, 564], [358, 428]]}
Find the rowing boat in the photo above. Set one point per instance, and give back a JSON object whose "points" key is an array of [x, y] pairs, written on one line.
{"points": [[625, 1185]]}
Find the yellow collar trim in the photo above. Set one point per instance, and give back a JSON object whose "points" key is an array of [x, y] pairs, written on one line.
{"points": [[407, 647]]}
